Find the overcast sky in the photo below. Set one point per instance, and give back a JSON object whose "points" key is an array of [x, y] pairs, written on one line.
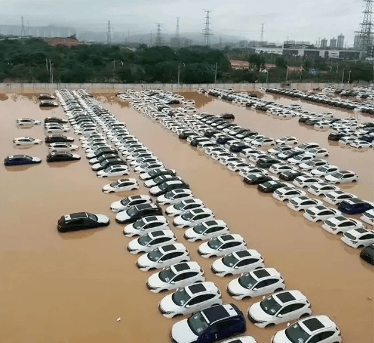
{"points": [[298, 20]]}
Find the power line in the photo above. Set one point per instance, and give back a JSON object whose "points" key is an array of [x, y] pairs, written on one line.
{"points": [[207, 31]]}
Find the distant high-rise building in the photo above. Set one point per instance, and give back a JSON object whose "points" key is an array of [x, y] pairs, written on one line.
{"points": [[357, 41], [333, 43], [340, 41], [324, 43]]}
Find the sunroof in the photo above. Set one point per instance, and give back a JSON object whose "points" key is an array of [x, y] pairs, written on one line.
{"points": [[149, 219], [361, 230], [226, 237], [261, 273], [313, 324], [169, 247], [215, 313], [157, 233], [285, 297], [243, 253], [197, 288], [181, 267]]}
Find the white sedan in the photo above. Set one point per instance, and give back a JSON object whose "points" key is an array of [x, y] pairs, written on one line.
{"points": [[121, 185], [206, 230], [237, 262], [324, 170], [116, 170], [150, 241], [193, 217], [322, 189], [305, 181], [286, 140], [286, 193], [26, 141], [255, 283], [145, 225], [190, 299], [241, 339], [183, 206], [361, 144], [320, 213], [221, 245], [27, 122], [344, 176], [368, 217], [62, 147], [279, 308], [336, 197], [341, 224], [174, 196], [318, 152], [280, 168], [302, 203], [358, 238], [126, 203]]}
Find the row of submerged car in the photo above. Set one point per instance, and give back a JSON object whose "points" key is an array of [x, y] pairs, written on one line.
{"points": [[308, 175], [348, 131], [250, 284]]}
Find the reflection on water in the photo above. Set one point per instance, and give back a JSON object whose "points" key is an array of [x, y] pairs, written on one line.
{"points": [[20, 168], [74, 289]]}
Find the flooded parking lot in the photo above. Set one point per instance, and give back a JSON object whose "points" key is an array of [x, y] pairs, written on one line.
{"points": [[73, 287]]}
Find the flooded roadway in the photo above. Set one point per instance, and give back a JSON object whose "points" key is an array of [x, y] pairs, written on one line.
{"points": [[73, 287]]}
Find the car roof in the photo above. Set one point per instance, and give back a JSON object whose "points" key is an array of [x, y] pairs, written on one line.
{"points": [[181, 267], [313, 324], [215, 313], [289, 296]]}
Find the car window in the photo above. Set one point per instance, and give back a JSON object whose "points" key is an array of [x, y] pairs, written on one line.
{"points": [[161, 240], [327, 334], [200, 299], [315, 339], [369, 236], [286, 309], [246, 262]]}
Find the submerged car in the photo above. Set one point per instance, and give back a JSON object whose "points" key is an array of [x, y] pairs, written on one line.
{"points": [[138, 211], [358, 238], [26, 141], [126, 203], [62, 157], [221, 245], [174, 196], [145, 225], [340, 224], [206, 230], [18, 160], [151, 240], [193, 217], [367, 254], [81, 221], [121, 185]]}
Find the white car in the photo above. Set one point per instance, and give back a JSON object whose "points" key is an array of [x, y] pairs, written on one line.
{"points": [[143, 160], [286, 193], [62, 147], [320, 213], [145, 225], [302, 203], [183, 206], [324, 170], [336, 197], [298, 159], [244, 172], [361, 144], [126, 203], [56, 129], [255, 283], [313, 164], [163, 256], [263, 142], [279, 308], [318, 152], [146, 167], [115, 170], [190, 299], [177, 275], [193, 217], [279, 149], [221, 245], [150, 241], [156, 172], [27, 122], [305, 181], [121, 185], [315, 329], [206, 230], [286, 140], [322, 189], [340, 224], [344, 176], [358, 238], [237, 166], [26, 141], [237, 262], [174, 196], [280, 168], [368, 217], [160, 179]]}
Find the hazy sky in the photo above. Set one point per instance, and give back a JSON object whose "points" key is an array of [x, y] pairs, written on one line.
{"points": [[299, 20]]}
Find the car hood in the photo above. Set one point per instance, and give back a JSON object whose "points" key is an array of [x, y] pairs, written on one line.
{"points": [[154, 281], [219, 266], [121, 216], [182, 333], [101, 218], [168, 305], [257, 313], [155, 189], [134, 245], [280, 337], [144, 261]]}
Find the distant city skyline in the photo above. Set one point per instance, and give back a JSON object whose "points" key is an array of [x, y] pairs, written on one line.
{"points": [[286, 20]]}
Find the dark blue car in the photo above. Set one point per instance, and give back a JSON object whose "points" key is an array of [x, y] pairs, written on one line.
{"points": [[354, 206], [19, 160]]}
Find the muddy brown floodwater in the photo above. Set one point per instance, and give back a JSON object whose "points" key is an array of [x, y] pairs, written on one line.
{"points": [[73, 287]]}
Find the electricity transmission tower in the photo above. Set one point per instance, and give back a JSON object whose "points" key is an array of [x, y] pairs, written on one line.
{"points": [[158, 36], [109, 34], [207, 31], [23, 32], [177, 37], [262, 33], [366, 33]]}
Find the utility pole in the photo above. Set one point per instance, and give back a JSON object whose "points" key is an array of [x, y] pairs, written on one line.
{"points": [[23, 33], [349, 76], [343, 75], [179, 71], [215, 74], [366, 33], [207, 31]]}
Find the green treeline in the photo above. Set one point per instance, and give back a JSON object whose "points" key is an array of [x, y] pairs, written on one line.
{"points": [[28, 61]]}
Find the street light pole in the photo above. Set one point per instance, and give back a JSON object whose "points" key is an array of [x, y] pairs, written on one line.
{"points": [[343, 76], [349, 76], [267, 77], [179, 71]]}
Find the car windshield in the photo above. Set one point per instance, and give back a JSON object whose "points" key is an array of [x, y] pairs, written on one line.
{"points": [[214, 243], [200, 228], [125, 202], [155, 255], [179, 206], [132, 211], [114, 184], [298, 157], [166, 275], [247, 281], [180, 297], [158, 179], [296, 334], [230, 260], [139, 224], [270, 306], [92, 216], [197, 323], [187, 216], [144, 240], [164, 186]]}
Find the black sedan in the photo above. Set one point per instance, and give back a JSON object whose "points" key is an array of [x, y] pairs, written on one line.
{"points": [[336, 136], [62, 157], [19, 160], [367, 254], [238, 147], [185, 134], [256, 179], [270, 186], [81, 221], [55, 120], [290, 175], [266, 162], [58, 139]]}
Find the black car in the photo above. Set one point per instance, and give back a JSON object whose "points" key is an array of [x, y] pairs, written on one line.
{"points": [[138, 211], [55, 120], [270, 186], [103, 157], [81, 221], [62, 157], [58, 139], [238, 147], [223, 139], [211, 324], [354, 206], [19, 160], [290, 175], [185, 134], [336, 136], [367, 254], [209, 133], [157, 172], [198, 140], [255, 179], [266, 162], [102, 151]]}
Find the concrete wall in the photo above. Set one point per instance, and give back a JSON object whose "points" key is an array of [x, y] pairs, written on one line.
{"points": [[117, 87]]}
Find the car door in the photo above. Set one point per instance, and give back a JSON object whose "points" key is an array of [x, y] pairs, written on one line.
{"points": [[245, 263]]}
